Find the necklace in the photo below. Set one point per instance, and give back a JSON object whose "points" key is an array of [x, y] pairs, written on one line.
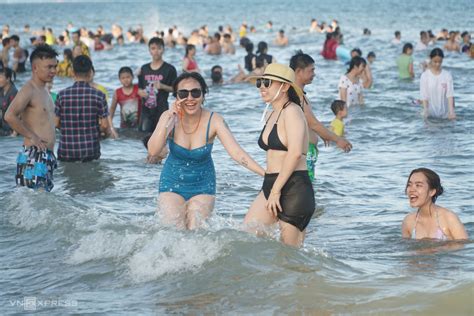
{"points": [[195, 129]]}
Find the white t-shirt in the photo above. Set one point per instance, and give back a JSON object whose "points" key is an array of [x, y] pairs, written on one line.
{"points": [[436, 89], [353, 90]]}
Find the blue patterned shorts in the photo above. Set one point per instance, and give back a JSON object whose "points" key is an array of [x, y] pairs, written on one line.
{"points": [[34, 168]]}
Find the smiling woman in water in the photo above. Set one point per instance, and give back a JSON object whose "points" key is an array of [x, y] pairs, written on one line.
{"points": [[188, 180], [430, 220]]}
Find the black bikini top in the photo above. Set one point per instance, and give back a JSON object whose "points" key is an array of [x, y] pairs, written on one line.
{"points": [[274, 141]]}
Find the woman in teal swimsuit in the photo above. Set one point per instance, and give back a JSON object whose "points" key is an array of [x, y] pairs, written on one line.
{"points": [[188, 180], [430, 220]]}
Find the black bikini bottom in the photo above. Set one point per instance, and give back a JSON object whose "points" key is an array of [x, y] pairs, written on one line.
{"points": [[297, 198]]}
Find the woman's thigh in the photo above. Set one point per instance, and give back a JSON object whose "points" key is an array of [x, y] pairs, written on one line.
{"points": [[198, 209], [291, 235], [172, 209], [258, 214]]}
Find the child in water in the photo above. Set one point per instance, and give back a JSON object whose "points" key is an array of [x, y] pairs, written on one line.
{"points": [[339, 108], [129, 99]]}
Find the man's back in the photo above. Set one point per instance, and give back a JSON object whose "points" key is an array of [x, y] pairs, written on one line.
{"points": [[79, 108]]}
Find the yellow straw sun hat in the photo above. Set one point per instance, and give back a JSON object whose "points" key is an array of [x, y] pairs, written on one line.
{"points": [[280, 73]]}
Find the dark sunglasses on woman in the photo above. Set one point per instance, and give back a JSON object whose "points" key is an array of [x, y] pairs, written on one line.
{"points": [[195, 93], [266, 82]]}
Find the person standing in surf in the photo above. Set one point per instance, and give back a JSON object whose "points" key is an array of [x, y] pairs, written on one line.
{"points": [[287, 195], [188, 180]]}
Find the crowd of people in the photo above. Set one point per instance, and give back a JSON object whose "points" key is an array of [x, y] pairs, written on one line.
{"points": [[184, 132]]}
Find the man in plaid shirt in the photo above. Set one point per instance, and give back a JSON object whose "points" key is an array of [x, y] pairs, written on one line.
{"points": [[81, 112]]}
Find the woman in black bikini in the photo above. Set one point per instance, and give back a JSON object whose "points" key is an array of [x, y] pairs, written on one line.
{"points": [[287, 195]]}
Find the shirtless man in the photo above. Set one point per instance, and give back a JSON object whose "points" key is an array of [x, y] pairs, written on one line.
{"points": [[31, 114], [451, 44], [281, 39]]}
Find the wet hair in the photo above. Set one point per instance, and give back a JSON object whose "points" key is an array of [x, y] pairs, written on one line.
{"points": [[68, 53], [367, 31], [16, 38], [261, 47], [406, 47], [227, 35], [216, 77], [215, 67], [157, 41], [249, 47], [300, 60], [397, 33], [8, 73], [337, 106], [356, 62], [191, 75], [124, 70], [244, 41], [189, 47], [82, 65], [371, 54], [217, 36], [358, 51], [434, 182], [43, 52], [436, 52]]}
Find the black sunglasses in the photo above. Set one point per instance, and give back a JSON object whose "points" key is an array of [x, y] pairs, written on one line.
{"points": [[266, 82], [195, 93]]}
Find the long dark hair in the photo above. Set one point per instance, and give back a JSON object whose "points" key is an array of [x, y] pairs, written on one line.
{"points": [[293, 96], [434, 182]]}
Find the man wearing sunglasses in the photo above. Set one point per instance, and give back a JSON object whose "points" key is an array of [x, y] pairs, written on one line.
{"points": [[303, 65]]}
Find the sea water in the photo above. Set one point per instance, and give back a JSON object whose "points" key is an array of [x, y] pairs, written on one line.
{"points": [[94, 244]]}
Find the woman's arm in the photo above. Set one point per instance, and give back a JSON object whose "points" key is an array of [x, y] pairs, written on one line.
{"points": [[157, 141], [233, 148], [295, 129], [185, 64], [456, 228], [406, 231]]}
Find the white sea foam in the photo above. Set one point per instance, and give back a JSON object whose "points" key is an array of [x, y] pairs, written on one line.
{"points": [[171, 252]]}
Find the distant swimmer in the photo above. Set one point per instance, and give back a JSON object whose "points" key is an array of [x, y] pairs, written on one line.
{"points": [[31, 115], [430, 221], [405, 62], [436, 89], [188, 180], [189, 60], [452, 44], [398, 38], [281, 39], [350, 84]]}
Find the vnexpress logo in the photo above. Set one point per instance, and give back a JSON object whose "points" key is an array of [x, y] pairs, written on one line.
{"points": [[29, 303]]}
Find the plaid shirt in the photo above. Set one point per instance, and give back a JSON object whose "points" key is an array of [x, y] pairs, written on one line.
{"points": [[79, 108]]}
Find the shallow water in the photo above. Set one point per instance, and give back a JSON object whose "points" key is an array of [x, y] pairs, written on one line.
{"points": [[94, 244]]}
